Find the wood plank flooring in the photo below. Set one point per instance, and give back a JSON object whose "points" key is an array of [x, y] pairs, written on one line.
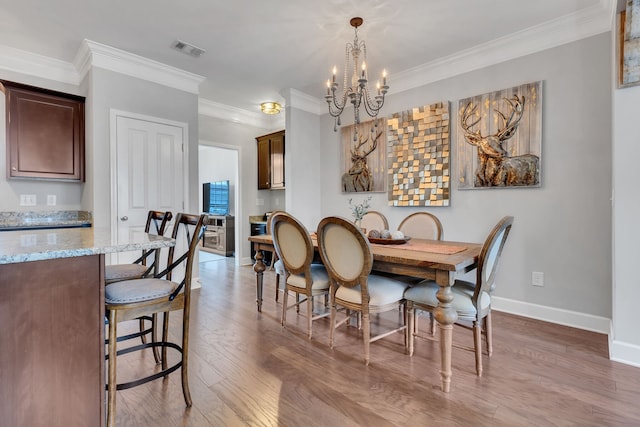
{"points": [[245, 369]]}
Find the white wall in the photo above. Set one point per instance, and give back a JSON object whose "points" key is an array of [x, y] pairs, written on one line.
{"points": [[562, 228], [625, 339]]}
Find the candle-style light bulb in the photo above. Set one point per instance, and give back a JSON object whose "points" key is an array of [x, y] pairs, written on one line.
{"points": [[328, 87], [364, 67], [335, 70], [384, 77], [378, 87]]}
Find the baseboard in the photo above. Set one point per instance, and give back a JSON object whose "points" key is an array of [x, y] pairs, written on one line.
{"points": [[623, 352], [554, 315], [246, 261]]}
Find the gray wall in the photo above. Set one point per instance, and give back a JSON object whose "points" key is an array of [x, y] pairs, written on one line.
{"points": [[68, 194], [109, 90], [563, 228]]}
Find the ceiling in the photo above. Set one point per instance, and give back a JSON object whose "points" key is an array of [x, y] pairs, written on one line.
{"points": [[256, 49]]}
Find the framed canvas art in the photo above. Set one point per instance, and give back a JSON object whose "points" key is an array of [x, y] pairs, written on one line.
{"points": [[363, 157], [418, 156], [499, 138]]}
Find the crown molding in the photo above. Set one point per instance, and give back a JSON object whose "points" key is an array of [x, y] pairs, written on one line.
{"points": [[23, 62], [92, 54], [214, 109], [585, 23], [303, 101]]}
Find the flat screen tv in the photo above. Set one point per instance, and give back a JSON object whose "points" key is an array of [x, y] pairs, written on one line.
{"points": [[215, 197]]}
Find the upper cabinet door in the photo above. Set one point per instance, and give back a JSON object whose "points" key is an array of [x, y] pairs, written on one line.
{"points": [[45, 134], [271, 161]]}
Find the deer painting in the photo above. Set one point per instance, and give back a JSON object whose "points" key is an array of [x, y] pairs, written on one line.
{"points": [[496, 168], [359, 178]]}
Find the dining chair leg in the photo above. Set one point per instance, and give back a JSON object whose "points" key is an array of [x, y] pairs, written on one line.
{"points": [[277, 286], [165, 338], [489, 334], [332, 326], [433, 324], [285, 302], [154, 336], [410, 321], [309, 314], [111, 370], [477, 343], [185, 358], [366, 335]]}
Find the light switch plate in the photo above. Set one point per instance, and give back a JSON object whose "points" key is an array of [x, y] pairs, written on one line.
{"points": [[51, 200], [27, 200]]}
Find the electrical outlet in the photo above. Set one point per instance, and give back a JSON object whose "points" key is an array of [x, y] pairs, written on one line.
{"points": [[537, 278], [27, 200], [51, 200]]}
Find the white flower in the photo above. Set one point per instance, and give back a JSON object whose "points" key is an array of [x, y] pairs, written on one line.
{"points": [[360, 210]]}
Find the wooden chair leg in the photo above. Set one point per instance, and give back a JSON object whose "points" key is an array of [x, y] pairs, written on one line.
{"points": [[477, 343], [332, 326], [309, 315], [185, 358], [366, 335], [277, 286], [489, 334], [411, 326], [165, 338], [285, 298], [111, 375], [154, 336], [433, 324]]}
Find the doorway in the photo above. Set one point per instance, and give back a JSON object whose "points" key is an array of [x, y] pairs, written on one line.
{"points": [[220, 162]]}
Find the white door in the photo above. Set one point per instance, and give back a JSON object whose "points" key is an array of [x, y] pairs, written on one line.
{"points": [[149, 173]]}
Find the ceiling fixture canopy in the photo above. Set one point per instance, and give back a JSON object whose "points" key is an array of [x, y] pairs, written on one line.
{"points": [[187, 48], [358, 92], [270, 107]]}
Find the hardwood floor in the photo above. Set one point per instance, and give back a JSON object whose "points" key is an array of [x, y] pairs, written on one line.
{"points": [[245, 369]]}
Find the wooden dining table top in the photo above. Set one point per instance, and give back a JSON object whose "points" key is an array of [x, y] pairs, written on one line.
{"points": [[421, 253]]}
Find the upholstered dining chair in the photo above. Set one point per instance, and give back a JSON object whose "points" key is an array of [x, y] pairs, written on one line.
{"points": [[421, 225], [346, 254], [374, 220], [295, 249], [167, 291], [472, 301], [276, 263]]}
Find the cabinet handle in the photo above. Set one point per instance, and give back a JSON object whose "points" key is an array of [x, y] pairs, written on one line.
{"points": [[14, 168], [125, 218]]}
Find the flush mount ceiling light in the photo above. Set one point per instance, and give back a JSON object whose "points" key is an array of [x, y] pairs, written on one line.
{"points": [[187, 48], [355, 91], [270, 107]]}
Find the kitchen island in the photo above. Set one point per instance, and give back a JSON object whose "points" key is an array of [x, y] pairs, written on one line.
{"points": [[52, 323]]}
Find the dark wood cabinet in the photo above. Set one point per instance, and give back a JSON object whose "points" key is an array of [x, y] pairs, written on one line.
{"points": [[271, 161], [45, 133]]}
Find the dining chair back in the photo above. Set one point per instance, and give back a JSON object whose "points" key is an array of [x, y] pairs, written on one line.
{"points": [[276, 263], [166, 291], [347, 256], [472, 301], [374, 220], [295, 249], [156, 223], [422, 225]]}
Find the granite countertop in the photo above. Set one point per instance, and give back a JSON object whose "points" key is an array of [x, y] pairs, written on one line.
{"points": [[36, 245], [44, 219]]}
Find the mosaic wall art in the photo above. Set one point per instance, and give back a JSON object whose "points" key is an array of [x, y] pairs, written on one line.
{"points": [[499, 138], [418, 156], [363, 157]]}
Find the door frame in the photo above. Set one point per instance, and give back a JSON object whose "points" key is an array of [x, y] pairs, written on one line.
{"points": [[113, 142], [237, 206]]}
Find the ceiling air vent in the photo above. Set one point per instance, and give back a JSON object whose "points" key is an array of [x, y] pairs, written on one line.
{"points": [[187, 48]]}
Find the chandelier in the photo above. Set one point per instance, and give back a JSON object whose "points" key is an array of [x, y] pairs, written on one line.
{"points": [[358, 93]]}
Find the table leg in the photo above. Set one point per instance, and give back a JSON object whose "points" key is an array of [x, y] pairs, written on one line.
{"points": [[446, 317], [259, 268]]}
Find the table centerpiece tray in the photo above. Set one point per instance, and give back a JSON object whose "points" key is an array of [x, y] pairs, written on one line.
{"points": [[381, 241]]}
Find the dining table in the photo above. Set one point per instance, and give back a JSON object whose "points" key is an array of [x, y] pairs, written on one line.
{"points": [[436, 260]]}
